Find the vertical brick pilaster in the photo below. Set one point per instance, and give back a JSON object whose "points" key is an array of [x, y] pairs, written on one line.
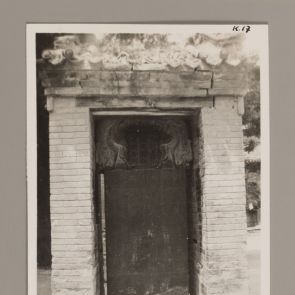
{"points": [[223, 259], [71, 200]]}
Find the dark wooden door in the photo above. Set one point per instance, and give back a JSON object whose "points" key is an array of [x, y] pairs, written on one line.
{"points": [[146, 230]]}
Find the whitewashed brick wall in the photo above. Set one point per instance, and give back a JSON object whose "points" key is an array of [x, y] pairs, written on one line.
{"points": [[71, 207], [224, 267]]}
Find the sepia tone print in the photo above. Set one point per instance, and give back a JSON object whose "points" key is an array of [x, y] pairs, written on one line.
{"points": [[148, 163]]}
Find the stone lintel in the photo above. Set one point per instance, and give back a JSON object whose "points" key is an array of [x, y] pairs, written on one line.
{"points": [[69, 78], [227, 91], [152, 103], [142, 83], [161, 91]]}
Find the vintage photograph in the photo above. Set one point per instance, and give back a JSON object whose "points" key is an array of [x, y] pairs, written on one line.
{"points": [[147, 159]]}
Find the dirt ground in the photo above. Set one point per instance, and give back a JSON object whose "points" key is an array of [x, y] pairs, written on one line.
{"points": [[253, 257]]}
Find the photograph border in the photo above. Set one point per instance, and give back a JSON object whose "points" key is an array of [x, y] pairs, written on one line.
{"points": [[261, 36]]}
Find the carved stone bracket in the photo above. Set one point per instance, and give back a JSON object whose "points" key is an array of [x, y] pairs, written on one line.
{"points": [[241, 107], [112, 147]]}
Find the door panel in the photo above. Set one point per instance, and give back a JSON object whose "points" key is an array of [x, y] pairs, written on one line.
{"points": [[146, 226]]}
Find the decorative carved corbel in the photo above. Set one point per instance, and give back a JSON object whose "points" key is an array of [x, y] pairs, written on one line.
{"points": [[50, 104], [241, 108], [112, 147]]}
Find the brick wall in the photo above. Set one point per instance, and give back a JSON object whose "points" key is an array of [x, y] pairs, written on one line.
{"points": [[72, 222], [224, 268], [219, 262]]}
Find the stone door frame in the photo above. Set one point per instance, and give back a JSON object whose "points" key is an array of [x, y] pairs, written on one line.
{"points": [[147, 113]]}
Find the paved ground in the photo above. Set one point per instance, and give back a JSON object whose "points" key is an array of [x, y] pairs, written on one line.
{"points": [[43, 282], [252, 255]]}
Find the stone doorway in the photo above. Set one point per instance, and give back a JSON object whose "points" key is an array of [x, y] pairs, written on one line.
{"points": [[216, 248], [145, 197]]}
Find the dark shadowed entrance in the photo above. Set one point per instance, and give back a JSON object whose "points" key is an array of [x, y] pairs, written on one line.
{"points": [[146, 208], [146, 230]]}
